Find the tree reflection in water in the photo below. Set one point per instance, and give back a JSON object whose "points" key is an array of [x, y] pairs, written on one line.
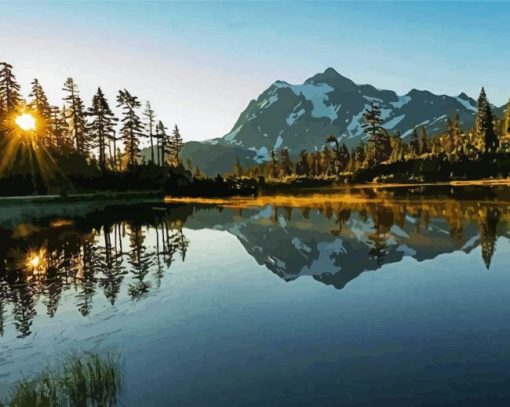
{"points": [[103, 252], [86, 257]]}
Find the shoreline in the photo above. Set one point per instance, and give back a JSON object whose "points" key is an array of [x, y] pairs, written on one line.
{"points": [[286, 191]]}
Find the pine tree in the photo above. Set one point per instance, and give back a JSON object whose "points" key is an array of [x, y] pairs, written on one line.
{"points": [[75, 114], [60, 130], [150, 116], [40, 104], [344, 157], [102, 126], [379, 139], [485, 124], [131, 125], [285, 168], [176, 144], [414, 147], [491, 141], [10, 97], [163, 143], [480, 116], [423, 142], [505, 133], [302, 167], [272, 169], [359, 155]]}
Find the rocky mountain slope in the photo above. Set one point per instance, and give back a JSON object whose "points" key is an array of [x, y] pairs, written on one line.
{"points": [[301, 116]]}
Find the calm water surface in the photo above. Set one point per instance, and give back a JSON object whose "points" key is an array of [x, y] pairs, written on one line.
{"points": [[386, 300]]}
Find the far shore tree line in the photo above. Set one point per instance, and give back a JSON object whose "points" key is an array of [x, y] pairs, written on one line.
{"points": [[490, 136], [92, 134]]}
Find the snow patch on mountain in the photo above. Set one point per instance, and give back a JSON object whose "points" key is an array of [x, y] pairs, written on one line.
{"points": [[278, 142], [402, 100], [466, 104], [294, 116], [354, 128], [261, 154], [325, 262], [232, 135], [268, 102], [393, 122], [318, 96]]}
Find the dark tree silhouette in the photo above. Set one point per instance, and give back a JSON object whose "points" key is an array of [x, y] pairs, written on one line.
{"points": [[131, 126], [176, 144], [102, 127], [150, 116], [75, 114]]}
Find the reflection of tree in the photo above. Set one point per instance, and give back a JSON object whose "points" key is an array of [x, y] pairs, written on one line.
{"points": [[91, 252], [112, 270], [489, 218], [342, 217], [383, 220], [91, 263], [80, 257], [4, 294], [139, 260], [23, 299]]}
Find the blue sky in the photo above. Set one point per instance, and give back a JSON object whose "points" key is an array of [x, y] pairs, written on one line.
{"points": [[200, 63]]}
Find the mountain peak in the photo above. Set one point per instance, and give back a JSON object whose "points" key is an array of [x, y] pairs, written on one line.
{"points": [[331, 77]]}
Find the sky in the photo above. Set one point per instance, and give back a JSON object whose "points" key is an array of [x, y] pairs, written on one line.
{"points": [[200, 63]]}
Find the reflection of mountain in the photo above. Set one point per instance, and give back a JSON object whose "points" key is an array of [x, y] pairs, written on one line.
{"points": [[128, 250], [337, 246]]}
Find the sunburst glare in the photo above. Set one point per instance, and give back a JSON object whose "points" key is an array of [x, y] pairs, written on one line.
{"points": [[26, 122]]}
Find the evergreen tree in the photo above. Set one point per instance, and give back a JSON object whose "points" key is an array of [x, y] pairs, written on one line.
{"points": [[285, 168], [414, 147], [102, 126], [150, 116], [163, 143], [302, 167], [480, 116], [505, 133], [273, 165], [485, 125], [75, 114], [359, 155], [176, 144], [423, 142], [131, 126], [379, 140], [59, 130], [10, 97], [344, 157], [40, 104]]}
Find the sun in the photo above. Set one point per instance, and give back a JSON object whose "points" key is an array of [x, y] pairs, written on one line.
{"points": [[26, 121]]}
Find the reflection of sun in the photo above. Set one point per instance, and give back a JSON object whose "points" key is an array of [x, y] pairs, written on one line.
{"points": [[36, 262], [26, 121]]}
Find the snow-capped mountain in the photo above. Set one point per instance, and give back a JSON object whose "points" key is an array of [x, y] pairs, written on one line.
{"points": [[301, 116]]}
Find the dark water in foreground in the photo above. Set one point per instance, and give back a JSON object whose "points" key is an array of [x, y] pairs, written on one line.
{"points": [[377, 302]]}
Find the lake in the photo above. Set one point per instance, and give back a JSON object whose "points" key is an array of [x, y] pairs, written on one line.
{"points": [[364, 297]]}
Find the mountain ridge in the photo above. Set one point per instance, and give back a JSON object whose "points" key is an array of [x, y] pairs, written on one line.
{"points": [[301, 116]]}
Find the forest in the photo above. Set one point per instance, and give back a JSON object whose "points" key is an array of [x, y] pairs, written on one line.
{"points": [[46, 149]]}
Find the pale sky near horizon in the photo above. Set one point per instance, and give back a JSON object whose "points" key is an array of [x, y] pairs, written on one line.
{"points": [[200, 63]]}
